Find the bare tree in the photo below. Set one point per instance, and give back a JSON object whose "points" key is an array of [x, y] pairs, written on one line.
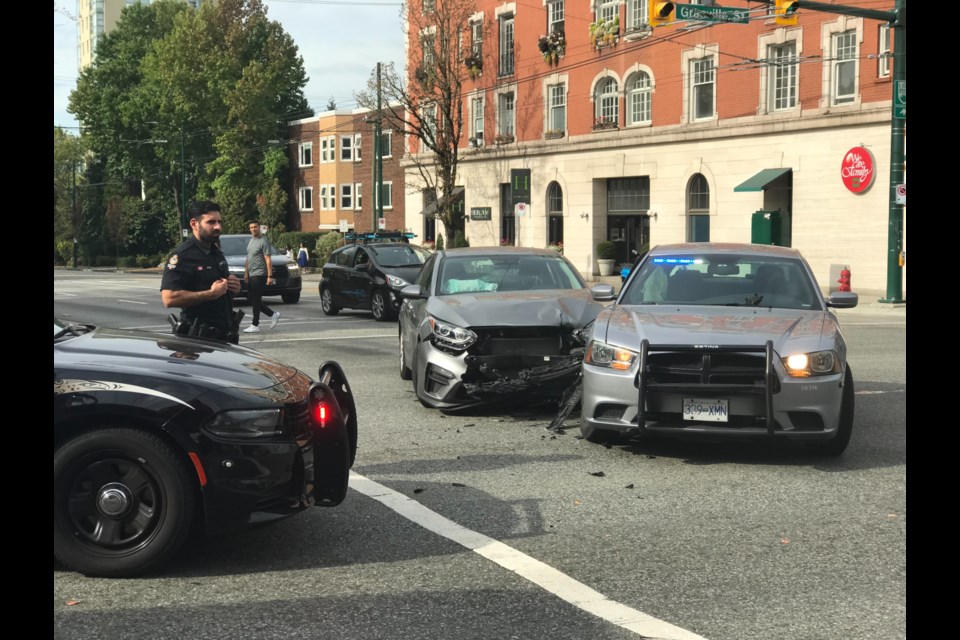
{"points": [[429, 95]]}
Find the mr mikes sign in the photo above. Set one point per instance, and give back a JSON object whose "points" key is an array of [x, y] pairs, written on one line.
{"points": [[857, 170]]}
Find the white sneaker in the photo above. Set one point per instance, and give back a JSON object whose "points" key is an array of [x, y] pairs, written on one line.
{"points": [[274, 319], [252, 329]]}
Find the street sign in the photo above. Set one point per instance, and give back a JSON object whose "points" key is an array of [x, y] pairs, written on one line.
{"points": [[901, 194], [900, 100], [481, 213], [344, 226], [712, 14], [520, 209], [381, 223]]}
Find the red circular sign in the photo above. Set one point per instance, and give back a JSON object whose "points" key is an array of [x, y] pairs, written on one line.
{"points": [[857, 169]]}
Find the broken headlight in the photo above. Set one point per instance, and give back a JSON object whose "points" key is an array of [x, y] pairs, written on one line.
{"points": [[450, 336]]}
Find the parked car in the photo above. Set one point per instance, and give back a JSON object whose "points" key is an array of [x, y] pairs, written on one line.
{"points": [[287, 279], [489, 323], [155, 436], [368, 276], [721, 340]]}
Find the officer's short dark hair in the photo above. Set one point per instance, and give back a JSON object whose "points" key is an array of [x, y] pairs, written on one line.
{"points": [[254, 221], [200, 207]]}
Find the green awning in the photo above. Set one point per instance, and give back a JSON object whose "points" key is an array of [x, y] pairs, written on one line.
{"points": [[760, 181]]}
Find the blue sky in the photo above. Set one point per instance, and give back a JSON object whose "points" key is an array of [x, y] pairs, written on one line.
{"points": [[340, 42]]}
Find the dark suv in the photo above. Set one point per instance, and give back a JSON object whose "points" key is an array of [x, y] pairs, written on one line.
{"points": [[287, 282], [368, 276]]}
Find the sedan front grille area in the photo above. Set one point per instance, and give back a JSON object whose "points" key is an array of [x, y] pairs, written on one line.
{"points": [[707, 371]]}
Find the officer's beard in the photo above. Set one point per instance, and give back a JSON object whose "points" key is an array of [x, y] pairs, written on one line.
{"points": [[208, 238]]}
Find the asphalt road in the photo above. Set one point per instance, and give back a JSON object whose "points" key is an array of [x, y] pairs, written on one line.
{"points": [[485, 525]]}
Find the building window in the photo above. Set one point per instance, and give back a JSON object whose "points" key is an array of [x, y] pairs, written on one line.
{"points": [[323, 150], [328, 149], [883, 52], [386, 144], [844, 67], [506, 45], [506, 114], [557, 118], [428, 121], [346, 196], [386, 194], [306, 199], [607, 102], [608, 10], [698, 209], [637, 11], [324, 198], [429, 6], [555, 16], [346, 148], [554, 214], [783, 76], [356, 147], [476, 38], [702, 89], [358, 204], [476, 119], [628, 195], [429, 58], [306, 154], [640, 98]]}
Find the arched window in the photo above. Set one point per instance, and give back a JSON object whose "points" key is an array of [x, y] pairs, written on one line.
{"points": [[698, 209], [555, 214], [607, 100], [639, 99]]}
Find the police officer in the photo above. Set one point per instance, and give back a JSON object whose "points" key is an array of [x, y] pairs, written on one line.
{"points": [[196, 279]]}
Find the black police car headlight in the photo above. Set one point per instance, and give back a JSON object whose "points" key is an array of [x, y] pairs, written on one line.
{"points": [[246, 423]]}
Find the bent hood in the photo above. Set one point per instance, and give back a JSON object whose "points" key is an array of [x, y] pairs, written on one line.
{"points": [[789, 329], [565, 307]]}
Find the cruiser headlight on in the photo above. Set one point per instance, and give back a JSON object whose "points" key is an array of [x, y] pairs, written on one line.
{"points": [[817, 363], [601, 354], [394, 281], [247, 423], [450, 336]]}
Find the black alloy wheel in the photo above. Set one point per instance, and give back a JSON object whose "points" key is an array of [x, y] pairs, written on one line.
{"points": [[838, 444], [326, 302], [123, 502], [379, 306]]}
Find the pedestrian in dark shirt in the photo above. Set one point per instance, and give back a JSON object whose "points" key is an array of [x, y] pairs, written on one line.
{"points": [[197, 280], [258, 273]]}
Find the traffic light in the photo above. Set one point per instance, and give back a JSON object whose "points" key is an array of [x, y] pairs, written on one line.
{"points": [[662, 13], [785, 12]]}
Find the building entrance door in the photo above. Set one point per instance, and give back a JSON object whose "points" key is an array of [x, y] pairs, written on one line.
{"points": [[628, 233]]}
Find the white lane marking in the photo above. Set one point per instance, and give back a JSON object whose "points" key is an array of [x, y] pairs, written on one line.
{"points": [[375, 335], [69, 295], [542, 575], [131, 301], [876, 393]]}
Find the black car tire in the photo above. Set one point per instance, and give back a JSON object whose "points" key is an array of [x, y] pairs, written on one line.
{"points": [[332, 460], [380, 306], [142, 479], [290, 298], [838, 444], [597, 436], [415, 373], [326, 302], [405, 372]]}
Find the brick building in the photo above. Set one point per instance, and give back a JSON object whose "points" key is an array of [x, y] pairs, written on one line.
{"points": [[332, 155], [683, 132]]}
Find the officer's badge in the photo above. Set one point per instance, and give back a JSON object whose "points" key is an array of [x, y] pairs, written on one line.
{"points": [[173, 261]]}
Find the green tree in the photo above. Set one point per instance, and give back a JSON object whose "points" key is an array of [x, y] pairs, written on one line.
{"points": [[68, 180]]}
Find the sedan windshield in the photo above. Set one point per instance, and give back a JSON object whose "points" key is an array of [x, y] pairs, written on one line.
{"points": [[724, 280], [465, 274]]}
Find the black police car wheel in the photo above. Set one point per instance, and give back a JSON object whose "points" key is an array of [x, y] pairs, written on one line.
{"points": [[378, 305], [124, 502], [326, 303]]}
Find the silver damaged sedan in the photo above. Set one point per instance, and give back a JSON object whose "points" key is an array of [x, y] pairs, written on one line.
{"points": [[720, 340]]}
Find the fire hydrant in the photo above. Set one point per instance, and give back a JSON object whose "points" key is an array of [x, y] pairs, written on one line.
{"points": [[844, 279]]}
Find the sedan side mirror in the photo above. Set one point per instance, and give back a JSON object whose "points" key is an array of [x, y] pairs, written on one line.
{"points": [[603, 292], [843, 300], [412, 292]]}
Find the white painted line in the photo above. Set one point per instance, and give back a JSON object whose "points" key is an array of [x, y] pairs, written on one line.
{"points": [[131, 301], [542, 575], [379, 335], [876, 393], [69, 295]]}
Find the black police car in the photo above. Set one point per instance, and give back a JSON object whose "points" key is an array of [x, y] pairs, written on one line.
{"points": [[155, 435], [368, 275], [287, 278]]}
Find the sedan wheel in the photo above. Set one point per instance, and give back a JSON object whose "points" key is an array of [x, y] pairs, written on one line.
{"points": [[123, 502], [405, 372], [378, 305], [326, 303], [416, 376]]}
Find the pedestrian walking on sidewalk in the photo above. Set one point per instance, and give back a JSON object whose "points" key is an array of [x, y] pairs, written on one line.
{"points": [[258, 274]]}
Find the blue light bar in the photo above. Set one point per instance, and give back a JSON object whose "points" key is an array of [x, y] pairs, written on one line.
{"points": [[677, 261]]}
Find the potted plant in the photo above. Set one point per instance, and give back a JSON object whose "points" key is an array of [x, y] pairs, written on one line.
{"points": [[551, 134], [503, 138], [556, 246], [606, 256], [552, 46], [604, 122], [605, 33], [474, 65]]}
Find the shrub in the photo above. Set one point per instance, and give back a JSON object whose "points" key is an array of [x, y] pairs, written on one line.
{"points": [[606, 250], [324, 246], [105, 261], [439, 242], [459, 240]]}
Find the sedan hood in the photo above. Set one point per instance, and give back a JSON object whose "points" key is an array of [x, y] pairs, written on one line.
{"points": [[175, 359], [661, 324], [566, 307]]}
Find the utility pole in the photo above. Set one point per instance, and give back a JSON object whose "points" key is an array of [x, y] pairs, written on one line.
{"points": [[377, 160], [184, 225], [73, 210]]}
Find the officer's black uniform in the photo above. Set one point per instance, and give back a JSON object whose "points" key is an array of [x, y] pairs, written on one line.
{"points": [[193, 267]]}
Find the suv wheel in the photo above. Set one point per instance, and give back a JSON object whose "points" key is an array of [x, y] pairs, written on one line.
{"points": [[290, 298]]}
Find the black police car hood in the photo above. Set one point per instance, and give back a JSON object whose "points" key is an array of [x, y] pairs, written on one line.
{"points": [[170, 359]]}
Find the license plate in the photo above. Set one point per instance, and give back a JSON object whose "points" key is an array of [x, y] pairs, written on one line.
{"points": [[703, 409]]}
